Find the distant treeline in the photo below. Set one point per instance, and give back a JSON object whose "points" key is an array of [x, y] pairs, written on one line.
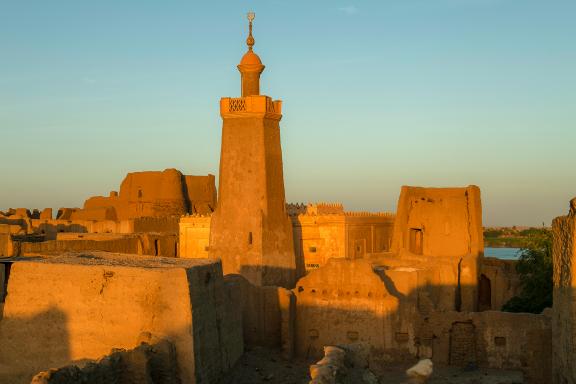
{"points": [[510, 237]]}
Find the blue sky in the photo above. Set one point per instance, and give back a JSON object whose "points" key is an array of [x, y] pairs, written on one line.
{"points": [[377, 94]]}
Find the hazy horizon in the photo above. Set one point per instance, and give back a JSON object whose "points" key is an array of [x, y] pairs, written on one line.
{"points": [[376, 95]]}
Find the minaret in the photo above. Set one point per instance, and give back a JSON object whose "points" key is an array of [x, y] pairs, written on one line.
{"points": [[250, 229], [250, 66]]}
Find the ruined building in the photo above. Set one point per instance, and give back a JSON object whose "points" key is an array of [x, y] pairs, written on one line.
{"points": [[181, 281], [155, 194]]}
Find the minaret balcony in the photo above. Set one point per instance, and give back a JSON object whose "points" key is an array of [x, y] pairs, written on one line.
{"points": [[251, 105]]}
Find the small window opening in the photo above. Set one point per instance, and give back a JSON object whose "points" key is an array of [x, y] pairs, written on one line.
{"points": [[156, 247], [352, 335], [312, 249], [249, 238], [416, 239], [500, 341]]}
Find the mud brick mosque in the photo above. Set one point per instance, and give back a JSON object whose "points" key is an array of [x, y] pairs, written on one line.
{"points": [[172, 280]]}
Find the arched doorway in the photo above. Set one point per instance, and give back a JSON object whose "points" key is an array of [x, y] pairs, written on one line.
{"points": [[484, 294]]}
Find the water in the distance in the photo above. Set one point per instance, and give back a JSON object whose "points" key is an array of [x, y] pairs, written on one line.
{"points": [[502, 253]]}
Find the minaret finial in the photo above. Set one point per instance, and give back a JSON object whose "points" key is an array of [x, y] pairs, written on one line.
{"points": [[250, 66], [250, 39]]}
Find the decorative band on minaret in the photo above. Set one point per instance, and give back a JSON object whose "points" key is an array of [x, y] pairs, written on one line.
{"points": [[250, 66]]}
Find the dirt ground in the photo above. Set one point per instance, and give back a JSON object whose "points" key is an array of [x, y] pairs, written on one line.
{"points": [[262, 366]]}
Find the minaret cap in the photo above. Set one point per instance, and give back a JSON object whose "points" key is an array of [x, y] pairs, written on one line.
{"points": [[250, 66]]}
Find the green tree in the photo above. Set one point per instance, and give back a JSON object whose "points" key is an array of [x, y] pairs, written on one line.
{"points": [[534, 268], [493, 233]]}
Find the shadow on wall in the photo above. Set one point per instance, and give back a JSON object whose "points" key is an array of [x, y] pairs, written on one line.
{"points": [[385, 318], [286, 276], [206, 331], [32, 358], [396, 315], [300, 262], [24, 224], [261, 312], [23, 350], [151, 364], [218, 341]]}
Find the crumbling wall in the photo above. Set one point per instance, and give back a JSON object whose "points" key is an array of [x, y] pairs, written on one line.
{"points": [[396, 309], [491, 339], [150, 364], [6, 244], [78, 224], [66, 308], [152, 244], [330, 368], [201, 193], [51, 228], [564, 310], [155, 194], [46, 214], [19, 220], [95, 213], [65, 213]]}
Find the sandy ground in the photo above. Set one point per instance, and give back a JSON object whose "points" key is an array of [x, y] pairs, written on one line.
{"points": [[259, 365]]}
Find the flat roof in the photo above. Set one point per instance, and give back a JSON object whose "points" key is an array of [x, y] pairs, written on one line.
{"points": [[110, 259]]}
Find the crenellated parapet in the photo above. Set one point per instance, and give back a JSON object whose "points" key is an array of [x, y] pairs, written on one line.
{"points": [[315, 209], [295, 209], [326, 209], [369, 214], [196, 215]]}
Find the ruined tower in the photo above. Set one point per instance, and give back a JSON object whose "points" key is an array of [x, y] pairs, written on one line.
{"points": [[250, 229]]}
